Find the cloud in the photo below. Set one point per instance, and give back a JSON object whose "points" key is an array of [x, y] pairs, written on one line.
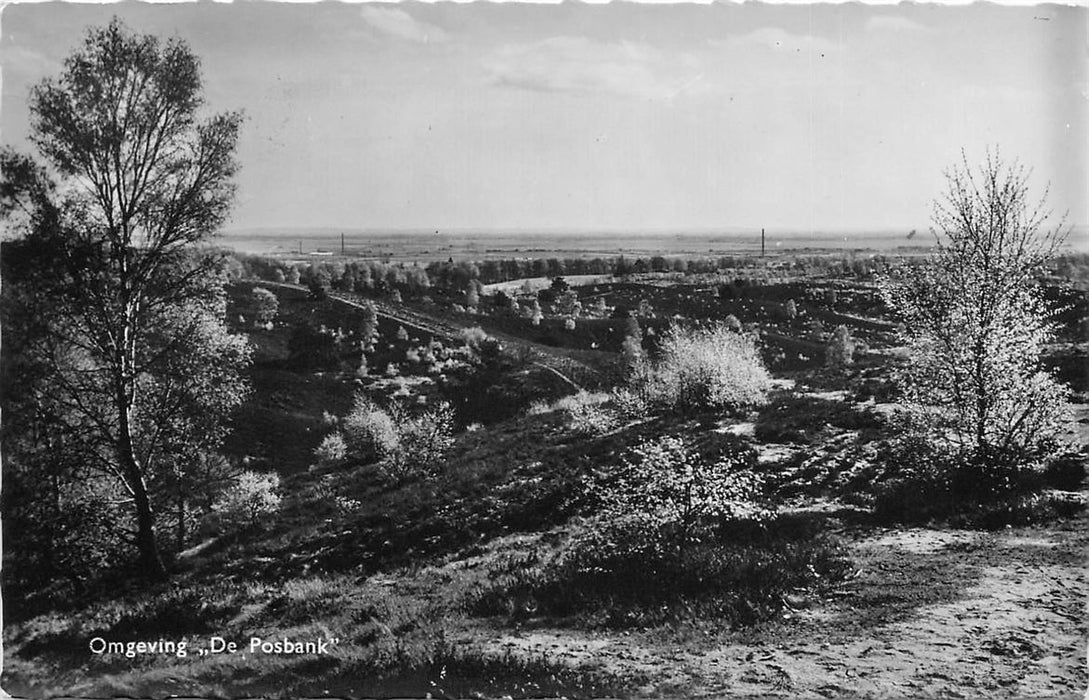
{"points": [[893, 23], [399, 24], [778, 39], [583, 66]]}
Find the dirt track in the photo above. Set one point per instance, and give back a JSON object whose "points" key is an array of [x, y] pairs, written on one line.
{"points": [[933, 613]]}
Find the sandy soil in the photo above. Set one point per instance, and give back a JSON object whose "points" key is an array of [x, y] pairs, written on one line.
{"points": [[937, 613]]}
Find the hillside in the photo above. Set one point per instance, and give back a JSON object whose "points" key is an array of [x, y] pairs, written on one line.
{"points": [[464, 579]]}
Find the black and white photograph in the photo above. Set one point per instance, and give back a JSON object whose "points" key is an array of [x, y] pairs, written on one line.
{"points": [[563, 350]]}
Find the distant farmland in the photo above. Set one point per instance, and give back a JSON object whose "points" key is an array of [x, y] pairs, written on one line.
{"points": [[429, 246]]}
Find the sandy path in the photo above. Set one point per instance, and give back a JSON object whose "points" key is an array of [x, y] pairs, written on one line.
{"points": [[930, 613]]}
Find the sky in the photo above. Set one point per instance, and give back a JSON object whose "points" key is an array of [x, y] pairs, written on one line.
{"points": [[621, 117]]}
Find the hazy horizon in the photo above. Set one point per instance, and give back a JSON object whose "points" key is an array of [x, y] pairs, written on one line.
{"points": [[619, 117]]}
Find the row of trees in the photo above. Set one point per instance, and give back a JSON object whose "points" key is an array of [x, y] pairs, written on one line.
{"points": [[369, 277]]}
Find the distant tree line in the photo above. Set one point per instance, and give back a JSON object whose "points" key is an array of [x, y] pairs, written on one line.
{"points": [[463, 277]]}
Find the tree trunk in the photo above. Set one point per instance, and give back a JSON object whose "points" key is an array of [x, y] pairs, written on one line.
{"points": [[151, 562]]}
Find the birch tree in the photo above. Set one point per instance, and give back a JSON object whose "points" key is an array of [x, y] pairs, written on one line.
{"points": [[975, 322], [131, 311]]}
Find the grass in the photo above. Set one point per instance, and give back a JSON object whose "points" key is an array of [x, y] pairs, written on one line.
{"points": [[801, 419], [620, 575]]}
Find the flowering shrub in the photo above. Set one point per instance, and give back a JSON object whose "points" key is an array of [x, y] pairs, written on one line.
{"points": [[704, 369], [672, 487], [332, 449], [422, 441], [628, 404], [250, 497], [674, 535], [589, 415], [841, 348], [369, 432]]}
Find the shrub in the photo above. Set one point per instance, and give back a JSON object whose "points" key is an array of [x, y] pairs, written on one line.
{"points": [[423, 441], [631, 351], [627, 573], [332, 450], [732, 323], [248, 498], [264, 304], [588, 414], [369, 432], [673, 487], [629, 405], [368, 330], [318, 284], [704, 369], [841, 349]]}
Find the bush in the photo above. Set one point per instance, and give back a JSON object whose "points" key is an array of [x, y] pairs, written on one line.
{"points": [[704, 369], [265, 305], [673, 487], [626, 573], [920, 481], [423, 441], [588, 414], [629, 405], [250, 497], [369, 432], [332, 450], [841, 349]]}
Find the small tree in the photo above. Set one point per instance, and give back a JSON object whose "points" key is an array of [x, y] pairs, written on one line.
{"points": [[631, 350], [249, 498], [423, 441], [331, 450], [976, 325], [568, 304], [318, 285], [841, 349], [368, 330], [265, 306], [369, 431], [130, 306]]}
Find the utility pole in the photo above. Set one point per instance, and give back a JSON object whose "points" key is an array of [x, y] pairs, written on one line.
{"points": [[762, 248], [342, 243]]}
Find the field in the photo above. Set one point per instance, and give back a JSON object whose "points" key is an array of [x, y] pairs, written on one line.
{"points": [[426, 246], [457, 579]]}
